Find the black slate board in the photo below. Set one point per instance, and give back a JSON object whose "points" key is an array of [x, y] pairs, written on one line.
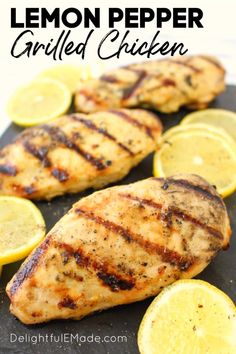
{"points": [[119, 321]]}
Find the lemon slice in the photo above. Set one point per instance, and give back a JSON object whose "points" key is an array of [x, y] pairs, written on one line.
{"points": [[202, 152], [189, 317], [69, 75], [197, 127], [39, 102], [215, 117], [22, 227]]}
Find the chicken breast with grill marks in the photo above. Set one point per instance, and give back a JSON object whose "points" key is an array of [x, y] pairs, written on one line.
{"points": [[121, 245], [76, 152], [164, 85]]}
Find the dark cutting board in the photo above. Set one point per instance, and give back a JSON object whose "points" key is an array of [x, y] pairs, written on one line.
{"points": [[119, 321]]}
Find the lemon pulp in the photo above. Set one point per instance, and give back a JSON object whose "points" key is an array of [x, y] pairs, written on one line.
{"points": [[39, 102], [189, 317], [22, 227], [204, 152], [69, 75], [215, 117]]}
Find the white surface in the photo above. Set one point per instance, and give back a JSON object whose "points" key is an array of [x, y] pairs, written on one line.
{"points": [[218, 37]]}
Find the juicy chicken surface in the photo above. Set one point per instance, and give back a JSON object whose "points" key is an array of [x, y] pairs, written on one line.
{"points": [[76, 152], [121, 245], [165, 85]]}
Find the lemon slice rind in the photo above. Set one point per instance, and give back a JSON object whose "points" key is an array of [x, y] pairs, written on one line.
{"points": [[20, 252], [215, 117], [226, 141], [68, 74], [182, 300], [44, 89], [178, 129]]}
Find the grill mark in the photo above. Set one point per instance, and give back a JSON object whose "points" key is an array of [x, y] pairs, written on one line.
{"points": [[177, 212], [7, 169], [89, 96], [129, 91], [39, 153], [24, 191], [185, 64], [177, 62], [109, 278], [166, 254], [30, 189], [109, 78], [168, 82], [132, 121], [166, 217], [60, 174], [29, 267], [142, 201], [196, 188], [114, 283], [90, 125], [113, 79], [36, 314], [73, 276], [209, 60], [58, 135], [67, 302], [165, 83]]}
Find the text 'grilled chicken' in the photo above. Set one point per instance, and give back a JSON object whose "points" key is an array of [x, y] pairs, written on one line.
{"points": [[76, 152], [121, 245], [165, 85]]}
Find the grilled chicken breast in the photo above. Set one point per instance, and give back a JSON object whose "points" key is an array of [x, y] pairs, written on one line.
{"points": [[76, 152], [121, 245], [165, 85]]}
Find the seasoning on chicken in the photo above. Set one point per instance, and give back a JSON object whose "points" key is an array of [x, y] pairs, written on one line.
{"points": [[164, 85], [76, 152], [121, 245]]}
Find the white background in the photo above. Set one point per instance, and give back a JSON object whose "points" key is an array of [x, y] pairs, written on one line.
{"points": [[218, 37]]}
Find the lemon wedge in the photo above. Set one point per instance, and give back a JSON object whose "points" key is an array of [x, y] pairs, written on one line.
{"points": [[189, 317], [22, 227], [201, 151], [38, 102], [69, 75], [220, 118]]}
